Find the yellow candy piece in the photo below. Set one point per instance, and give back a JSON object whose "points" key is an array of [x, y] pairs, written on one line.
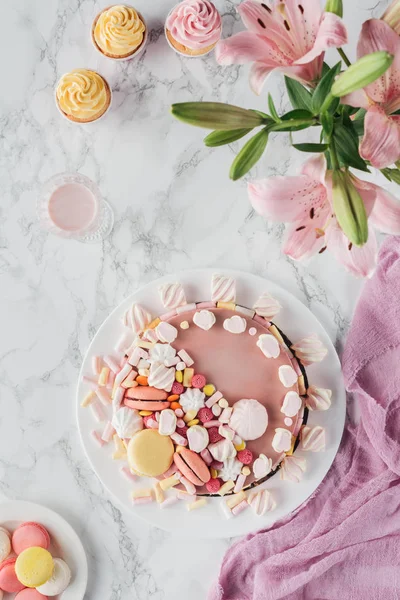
{"points": [[154, 323], [179, 449], [159, 494], [224, 489], [223, 403], [103, 377], [196, 504], [184, 325], [240, 447], [193, 422], [290, 452], [276, 334], [120, 448], [142, 493], [88, 399], [34, 566], [226, 305], [145, 413], [144, 344], [235, 500], [189, 416], [214, 473], [168, 483], [209, 389], [302, 387], [246, 471], [179, 376], [187, 377]]}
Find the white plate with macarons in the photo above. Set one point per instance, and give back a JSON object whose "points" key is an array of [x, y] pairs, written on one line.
{"points": [[65, 543]]}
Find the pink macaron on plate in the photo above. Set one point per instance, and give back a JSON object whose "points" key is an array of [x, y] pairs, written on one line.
{"points": [[65, 543]]}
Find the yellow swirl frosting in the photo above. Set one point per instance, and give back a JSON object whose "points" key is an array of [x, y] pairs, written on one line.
{"points": [[83, 95], [119, 31]]}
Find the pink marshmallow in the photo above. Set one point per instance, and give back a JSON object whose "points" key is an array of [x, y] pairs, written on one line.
{"points": [[260, 320], [180, 423], [130, 379], [97, 438], [296, 367], [186, 308], [178, 439], [152, 424], [201, 305], [98, 411], [173, 469], [239, 483], [240, 507], [136, 355], [108, 432], [168, 315], [188, 485], [123, 374], [179, 413], [103, 396], [213, 399], [96, 365], [168, 502], [206, 456], [127, 473], [172, 362], [111, 380], [111, 362], [143, 500], [118, 397], [184, 496], [186, 358], [92, 383], [124, 341], [211, 424]]}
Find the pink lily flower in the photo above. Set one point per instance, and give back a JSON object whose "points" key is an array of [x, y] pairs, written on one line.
{"points": [[289, 35], [381, 142], [304, 202]]}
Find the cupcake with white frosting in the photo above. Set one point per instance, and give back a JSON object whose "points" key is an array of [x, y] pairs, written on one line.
{"points": [[119, 32], [83, 96], [193, 27]]}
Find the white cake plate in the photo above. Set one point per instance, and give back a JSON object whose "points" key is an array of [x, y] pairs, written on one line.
{"points": [[65, 543], [296, 322]]}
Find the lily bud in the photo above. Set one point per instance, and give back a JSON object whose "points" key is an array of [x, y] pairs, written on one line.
{"points": [[216, 115], [392, 16], [363, 72], [349, 208], [335, 7]]}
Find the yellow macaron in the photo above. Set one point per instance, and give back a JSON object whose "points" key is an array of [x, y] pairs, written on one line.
{"points": [[34, 567], [150, 453]]}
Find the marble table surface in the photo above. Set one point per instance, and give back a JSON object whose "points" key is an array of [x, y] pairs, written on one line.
{"points": [[175, 208]]}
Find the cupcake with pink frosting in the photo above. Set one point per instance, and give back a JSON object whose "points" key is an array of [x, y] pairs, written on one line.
{"points": [[193, 27]]}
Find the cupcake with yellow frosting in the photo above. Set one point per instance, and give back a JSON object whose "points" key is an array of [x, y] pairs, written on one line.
{"points": [[83, 96], [119, 32]]}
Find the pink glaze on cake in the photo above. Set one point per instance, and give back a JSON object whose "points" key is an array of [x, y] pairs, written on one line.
{"points": [[238, 369]]}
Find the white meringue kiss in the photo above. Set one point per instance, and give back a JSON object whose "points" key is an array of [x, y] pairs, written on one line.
{"points": [[293, 468], [197, 438], [126, 422], [291, 404], [282, 440], [318, 398], [235, 324], [166, 332], [287, 376], [161, 377], [205, 319], [192, 399], [261, 502], [222, 450], [167, 422], [231, 469], [267, 307], [262, 466], [313, 438], [249, 419], [161, 352], [269, 345], [310, 350]]}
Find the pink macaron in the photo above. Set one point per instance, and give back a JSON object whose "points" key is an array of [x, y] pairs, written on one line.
{"points": [[192, 466], [28, 535], [30, 594], [8, 578]]}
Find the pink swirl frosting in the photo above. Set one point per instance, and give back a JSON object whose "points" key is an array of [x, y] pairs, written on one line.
{"points": [[195, 23]]}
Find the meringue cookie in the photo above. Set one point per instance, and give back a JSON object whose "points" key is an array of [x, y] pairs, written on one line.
{"points": [[161, 377], [166, 332], [293, 468], [287, 375], [269, 345], [59, 581], [126, 422], [282, 440], [137, 317], [310, 350], [313, 438], [261, 502], [192, 399], [161, 352], [291, 404], [235, 324], [231, 469], [223, 289], [222, 450], [249, 419], [267, 307], [262, 466], [318, 398], [167, 422], [172, 295], [197, 438], [205, 319]]}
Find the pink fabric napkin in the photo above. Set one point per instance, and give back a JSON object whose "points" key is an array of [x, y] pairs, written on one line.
{"points": [[344, 543]]}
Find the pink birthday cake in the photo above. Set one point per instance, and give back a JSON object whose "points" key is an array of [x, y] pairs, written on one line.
{"points": [[208, 399]]}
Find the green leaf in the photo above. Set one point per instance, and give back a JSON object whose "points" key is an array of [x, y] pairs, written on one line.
{"points": [[299, 96], [295, 120], [216, 115], [221, 138], [324, 87], [272, 109], [249, 155], [363, 72], [327, 124], [315, 148], [346, 141]]}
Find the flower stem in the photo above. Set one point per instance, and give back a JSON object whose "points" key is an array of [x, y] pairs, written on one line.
{"points": [[344, 56], [334, 156]]}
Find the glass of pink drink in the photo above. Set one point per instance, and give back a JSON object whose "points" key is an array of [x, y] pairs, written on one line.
{"points": [[71, 206]]}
